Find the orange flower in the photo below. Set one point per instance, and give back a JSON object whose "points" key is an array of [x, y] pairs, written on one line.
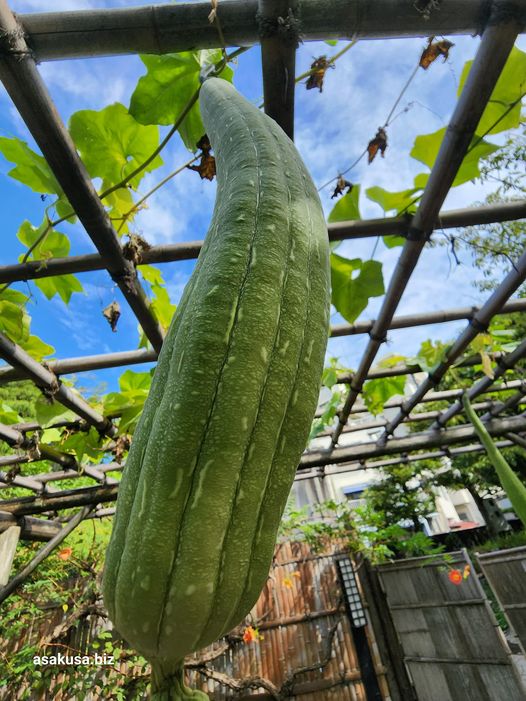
{"points": [[65, 553], [467, 572], [251, 634], [455, 576], [287, 582]]}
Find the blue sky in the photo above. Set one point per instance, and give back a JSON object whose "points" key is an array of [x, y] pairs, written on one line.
{"points": [[332, 129]]}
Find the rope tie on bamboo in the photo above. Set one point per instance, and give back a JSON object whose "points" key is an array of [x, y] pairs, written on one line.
{"points": [[377, 338], [414, 234], [9, 43], [504, 11], [479, 326], [287, 29]]}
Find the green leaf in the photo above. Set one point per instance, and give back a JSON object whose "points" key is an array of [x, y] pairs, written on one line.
{"points": [[36, 348], [329, 377], [377, 392], [53, 245], [354, 282], [151, 274], [509, 89], [431, 353], [162, 307], [112, 143], [31, 168], [8, 415], [393, 241], [426, 149], [62, 285], [169, 84], [84, 444], [14, 321], [331, 42], [118, 204], [48, 413], [130, 381], [51, 435], [396, 201], [347, 208]]}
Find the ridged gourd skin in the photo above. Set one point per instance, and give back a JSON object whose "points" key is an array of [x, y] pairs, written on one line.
{"points": [[231, 402]]}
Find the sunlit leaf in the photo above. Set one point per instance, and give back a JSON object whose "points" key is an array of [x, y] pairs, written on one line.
{"points": [[49, 413], [377, 392], [37, 348], [130, 380], [112, 143], [347, 208], [31, 168], [62, 285], [171, 80], [354, 282], [426, 148], [509, 89], [430, 354]]}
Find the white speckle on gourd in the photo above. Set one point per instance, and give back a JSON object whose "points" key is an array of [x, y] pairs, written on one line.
{"points": [[284, 347], [212, 290], [294, 398], [145, 582], [180, 364], [146, 626], [264, 354], [190, 589], [168, 629], [244, 423]]}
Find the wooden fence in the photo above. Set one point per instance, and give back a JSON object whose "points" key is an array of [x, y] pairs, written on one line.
{"points": [[306, 648], [505, 571], [452, 646]]}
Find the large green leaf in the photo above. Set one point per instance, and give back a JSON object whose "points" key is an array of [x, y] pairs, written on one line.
{"points": [[36, 348], [170, 82], [130, 381], [426, 149], [49, 413], [112, 143], [499, 114], [14, 321], [377, 392], [31, 168], [354, 282], [347, 208], [53, 245]]}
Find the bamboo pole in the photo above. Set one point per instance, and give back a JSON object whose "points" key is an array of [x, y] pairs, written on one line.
{"points": [[279, 31], [134, 357], [506, 363], [168, 28], [340, 231], [415, 441], [43, 553], [477, 324], [496, 44], [45, 379], [22, 81]]}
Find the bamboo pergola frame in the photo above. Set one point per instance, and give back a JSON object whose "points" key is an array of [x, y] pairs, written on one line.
{"points": [[28, 39]]}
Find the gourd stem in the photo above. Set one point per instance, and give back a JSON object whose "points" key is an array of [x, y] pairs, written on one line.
{"points": [[168, 685], [510, 482]]}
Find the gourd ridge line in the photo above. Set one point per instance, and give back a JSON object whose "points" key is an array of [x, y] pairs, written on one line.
{"points": [[242, 471], [195, 471], [272, 469], [161, 373]]}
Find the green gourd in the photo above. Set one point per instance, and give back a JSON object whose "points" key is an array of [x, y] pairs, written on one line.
{"points": [[231, 403]]}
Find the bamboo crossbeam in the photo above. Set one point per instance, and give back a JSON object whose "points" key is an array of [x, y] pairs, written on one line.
{"points": [[30, 528], [44, 378], [508, 404], [496, 44], [358, 453], [44, 552], [16, 439], [344, 468], [111, 360], [354, 426], [340, 231], [158, 29], [415, 441], [65, 499], [22, 81], [506, 363], [412, 320]]}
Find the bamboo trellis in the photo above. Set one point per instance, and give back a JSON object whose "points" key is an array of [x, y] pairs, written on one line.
{"points": [[26, 40]]}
